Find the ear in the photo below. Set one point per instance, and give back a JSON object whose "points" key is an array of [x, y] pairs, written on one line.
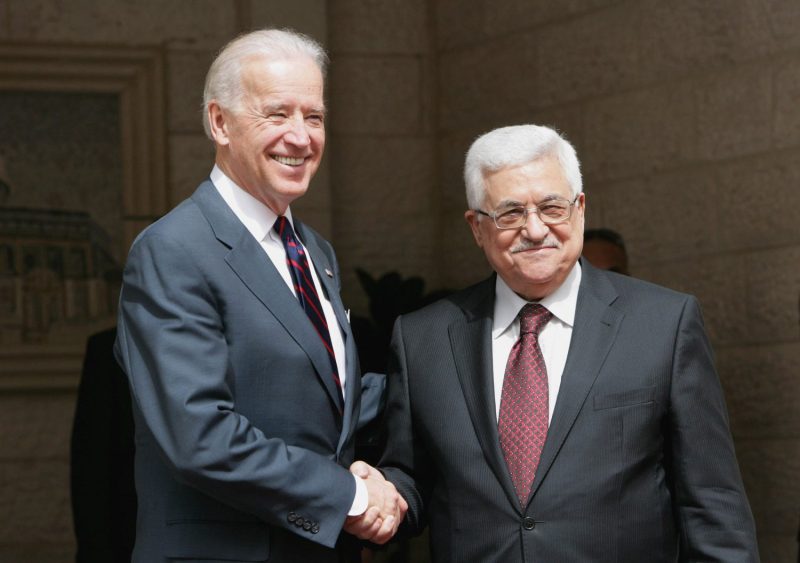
{"points": [[217, 119], [580, 208], [474, 224]]}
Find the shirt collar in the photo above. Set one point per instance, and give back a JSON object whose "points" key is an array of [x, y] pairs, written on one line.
{"points": [[562, 302], [256, 217]]}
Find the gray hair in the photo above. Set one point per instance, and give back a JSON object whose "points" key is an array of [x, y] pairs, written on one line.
{"points": [[514, 146], [224, 80]]}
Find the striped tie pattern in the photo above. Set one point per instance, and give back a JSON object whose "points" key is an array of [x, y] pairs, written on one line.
{"points": [[524, 409], [307, 292]]}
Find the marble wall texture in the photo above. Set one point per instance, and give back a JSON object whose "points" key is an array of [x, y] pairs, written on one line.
{"points": [[686, 116]]}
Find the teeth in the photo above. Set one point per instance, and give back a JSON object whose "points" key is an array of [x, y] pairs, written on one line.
{"points": [[288, 160]]}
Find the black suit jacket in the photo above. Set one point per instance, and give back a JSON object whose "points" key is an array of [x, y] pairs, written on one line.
{"points": [[101, 464], [638, 465], [241, 451]]}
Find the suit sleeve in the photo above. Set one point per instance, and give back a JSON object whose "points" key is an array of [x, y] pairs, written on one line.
{"points": [[172, 344], [404, 462], [713, 512]]}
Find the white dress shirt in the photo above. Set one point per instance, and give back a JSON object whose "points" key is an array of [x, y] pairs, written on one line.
{"points": [[259, 219], [554, 339]]}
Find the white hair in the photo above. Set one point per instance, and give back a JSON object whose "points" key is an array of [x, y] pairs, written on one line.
{"points": [[224, 80], [514, 146]]}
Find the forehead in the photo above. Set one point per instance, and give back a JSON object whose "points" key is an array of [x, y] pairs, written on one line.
{"points": [[527, 183], [294, 78]]}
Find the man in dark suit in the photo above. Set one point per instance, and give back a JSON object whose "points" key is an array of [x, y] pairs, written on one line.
{"points": [[101, 461], [240, 357], [555, 412]]}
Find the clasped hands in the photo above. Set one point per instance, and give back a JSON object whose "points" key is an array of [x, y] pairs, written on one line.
{"points": [[385, 510]]}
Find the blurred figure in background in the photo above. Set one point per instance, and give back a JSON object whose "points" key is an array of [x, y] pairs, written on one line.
{"points": [[605, 249]]}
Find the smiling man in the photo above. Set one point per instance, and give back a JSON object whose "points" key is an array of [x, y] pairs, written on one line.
{"points": [[555, 412], [240, 358]]}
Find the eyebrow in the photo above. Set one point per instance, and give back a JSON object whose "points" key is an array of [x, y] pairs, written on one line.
{"points": [[268, 108], [515, 203]]}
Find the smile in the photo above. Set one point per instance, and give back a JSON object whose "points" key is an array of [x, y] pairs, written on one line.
{"points": [[289, 160]]}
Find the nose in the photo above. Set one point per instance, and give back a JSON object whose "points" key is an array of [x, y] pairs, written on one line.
{"points": [[297, 135], [534, 228]]}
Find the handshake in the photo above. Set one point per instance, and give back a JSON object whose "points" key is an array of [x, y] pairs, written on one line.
{"points": [[385, 509]]}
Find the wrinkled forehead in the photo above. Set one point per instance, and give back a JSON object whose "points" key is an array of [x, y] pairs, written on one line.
{"points": [[526, 184]]}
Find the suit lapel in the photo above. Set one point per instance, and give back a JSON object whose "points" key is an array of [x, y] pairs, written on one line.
{"points": [[471, 344], [254, 268], [595, 328]]}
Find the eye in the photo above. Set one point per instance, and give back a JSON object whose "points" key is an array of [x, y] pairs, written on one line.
{"points": [[315, 119]]}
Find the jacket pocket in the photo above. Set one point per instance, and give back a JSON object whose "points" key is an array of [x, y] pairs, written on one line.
{"points": [[218, 540], [627, 398]]}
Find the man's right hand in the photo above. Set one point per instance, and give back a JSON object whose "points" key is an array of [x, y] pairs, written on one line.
{"points": [[385, 508]]}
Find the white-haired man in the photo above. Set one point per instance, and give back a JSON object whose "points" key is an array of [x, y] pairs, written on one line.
{"points": [[555, 412], [232, 333]]}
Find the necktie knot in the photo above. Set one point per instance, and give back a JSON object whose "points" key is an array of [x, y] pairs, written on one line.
{"points": [[532, 318], [284, 230]]}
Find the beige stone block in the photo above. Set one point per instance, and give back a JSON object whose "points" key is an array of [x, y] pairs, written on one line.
{"points": [[36, 493], [381, 177], [509, 15], [784, 21], [453, 149], [191, 160], [690, 36], [638, 132], [662, 217], [758, 203], [383, 204], [378, 26], [489, 82], [773, 287], [186, 75], [201, 24], [718, 282], [305, 16], [36, 426], [770, 469], [786, 116], [456, 26], [593, 55], [761, 388], [5, 28], [462, 261], [734, 113], [376, 95]]}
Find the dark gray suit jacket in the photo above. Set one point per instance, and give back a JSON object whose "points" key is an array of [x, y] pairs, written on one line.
{"points": [[241, 452], [638, 466]]}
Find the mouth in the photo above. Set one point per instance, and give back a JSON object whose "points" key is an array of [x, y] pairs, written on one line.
{"points": [[288, 160]]}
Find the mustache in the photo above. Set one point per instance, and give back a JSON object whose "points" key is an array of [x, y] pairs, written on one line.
{"points": [[527, 244]]}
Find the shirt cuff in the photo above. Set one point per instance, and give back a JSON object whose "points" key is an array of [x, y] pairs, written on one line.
{"points": [[361, 499]]}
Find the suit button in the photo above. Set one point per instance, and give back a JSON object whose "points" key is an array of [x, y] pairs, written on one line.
{"points": [[299, 522], [315, 529], [291, 517], [307, 526], [528, 523]]}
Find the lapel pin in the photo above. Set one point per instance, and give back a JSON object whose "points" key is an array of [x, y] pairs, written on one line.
{"points": [[330, 274]]}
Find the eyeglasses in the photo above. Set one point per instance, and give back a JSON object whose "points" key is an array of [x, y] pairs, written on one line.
{"points": [[550, 212]]}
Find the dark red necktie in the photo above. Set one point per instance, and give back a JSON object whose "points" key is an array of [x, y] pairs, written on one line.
{"points": [[307, 292], [522, 424]]}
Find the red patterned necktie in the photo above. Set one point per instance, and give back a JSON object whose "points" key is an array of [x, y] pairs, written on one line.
{"points": [[522, 424], [307, 292]]}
